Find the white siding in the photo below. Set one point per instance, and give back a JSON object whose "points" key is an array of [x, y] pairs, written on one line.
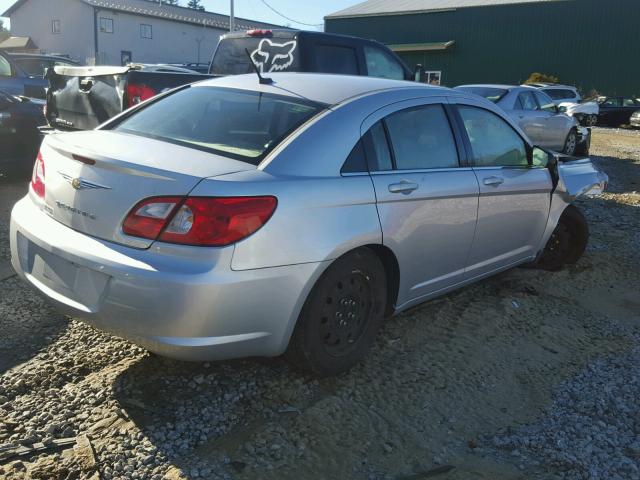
{"points": [[34, 19], [172, 42]]}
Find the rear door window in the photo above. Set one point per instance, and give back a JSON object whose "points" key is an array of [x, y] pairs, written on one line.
{"points": [[5, 67], [240, 124], [382, 64], [421, 138], [528, 101], [336, 59], [545, 103]]}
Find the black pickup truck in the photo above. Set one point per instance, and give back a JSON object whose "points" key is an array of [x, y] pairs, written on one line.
{"points": [[81, 98]]}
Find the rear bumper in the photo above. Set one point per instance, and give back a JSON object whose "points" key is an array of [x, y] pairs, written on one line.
{"points": [[180, 302]]}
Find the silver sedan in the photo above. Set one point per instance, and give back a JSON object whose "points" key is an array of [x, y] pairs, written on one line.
{"points": [[233, 218], [535, 112]]}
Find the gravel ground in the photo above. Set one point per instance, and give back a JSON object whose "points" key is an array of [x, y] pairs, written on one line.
{"points": [[529, 374]]}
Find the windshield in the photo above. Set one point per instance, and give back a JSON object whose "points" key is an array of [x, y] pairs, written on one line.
{"points": [[269, 55], [490, 93], [240, 124]]}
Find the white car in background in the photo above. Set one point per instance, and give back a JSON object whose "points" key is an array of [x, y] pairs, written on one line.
{"points": [[569, 100]]}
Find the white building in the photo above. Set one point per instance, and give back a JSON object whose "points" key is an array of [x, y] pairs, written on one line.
{"points": [[115, 32]]}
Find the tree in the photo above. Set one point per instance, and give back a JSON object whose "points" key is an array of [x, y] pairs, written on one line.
{"points": [[195, 4], [541, 78]]}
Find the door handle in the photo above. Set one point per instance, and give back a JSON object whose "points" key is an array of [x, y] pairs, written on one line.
{"points": [[403, 187], [493, 181]]}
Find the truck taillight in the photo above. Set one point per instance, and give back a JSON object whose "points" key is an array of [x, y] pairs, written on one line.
{"points": [[202, 221], [37, 179], [138, 93], [260, 33]]}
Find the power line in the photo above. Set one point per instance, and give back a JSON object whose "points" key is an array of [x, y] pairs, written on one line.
{"points": [[289, 18]]}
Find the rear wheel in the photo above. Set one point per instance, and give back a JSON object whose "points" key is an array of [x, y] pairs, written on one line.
{"points": [[341, 316], [568, 241], [571, 143]]}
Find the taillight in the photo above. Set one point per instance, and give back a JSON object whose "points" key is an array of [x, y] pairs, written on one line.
{"points": [[37, 179], [138, 93], [205, 221], [259, 33]]}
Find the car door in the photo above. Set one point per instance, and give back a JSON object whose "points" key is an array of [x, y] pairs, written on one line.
{"points": [[555, 125], [515, 197], [426, 195], [610, 110], [528, 116], [629, 106]]}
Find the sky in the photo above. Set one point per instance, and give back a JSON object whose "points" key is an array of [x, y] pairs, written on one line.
{"points": [[309, 11]]}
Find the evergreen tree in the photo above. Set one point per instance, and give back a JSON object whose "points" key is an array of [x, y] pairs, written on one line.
{"points": [[195, 4]]}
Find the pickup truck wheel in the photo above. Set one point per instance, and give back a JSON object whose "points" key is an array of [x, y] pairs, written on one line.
{"points": [[570, 143], [568, 241], [340, 318]]}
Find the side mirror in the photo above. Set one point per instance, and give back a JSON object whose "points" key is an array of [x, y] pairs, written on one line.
{"points": [[542, 158], [418, 74]]}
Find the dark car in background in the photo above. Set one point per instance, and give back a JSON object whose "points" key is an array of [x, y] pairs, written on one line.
{"points": [[23, 74], [20, 139], [616, 111], [83, 98]]}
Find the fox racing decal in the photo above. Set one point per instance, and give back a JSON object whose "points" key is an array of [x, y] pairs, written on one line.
{"points": [[271, 57]]}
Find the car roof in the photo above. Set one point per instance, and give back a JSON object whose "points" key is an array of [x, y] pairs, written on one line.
{"points": [[323, 88], [488, 85]]}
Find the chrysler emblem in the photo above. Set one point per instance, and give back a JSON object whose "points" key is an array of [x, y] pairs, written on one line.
{"points": [[78, 183]]}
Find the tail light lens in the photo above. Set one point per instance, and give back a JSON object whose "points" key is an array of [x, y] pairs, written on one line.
{"points": [[203, 221], [37, 179], [138, 93], [259, 33]]}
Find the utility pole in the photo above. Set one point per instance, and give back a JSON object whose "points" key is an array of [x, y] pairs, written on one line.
{"points": [[232, 19]]}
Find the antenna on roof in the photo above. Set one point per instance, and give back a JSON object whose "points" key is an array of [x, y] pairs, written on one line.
{"points": [[263, 80]]}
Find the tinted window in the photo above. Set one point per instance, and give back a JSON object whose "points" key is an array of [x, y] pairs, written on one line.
{"points": [[612, 102], [629, 102], [490, 93], [5, 68], [332, 59], [356, 161], [559, 94], [422, 138], [382, 64], [527, 101], [378, 154], [545, 102], [269, 54], [238, 124], [493, 141]]}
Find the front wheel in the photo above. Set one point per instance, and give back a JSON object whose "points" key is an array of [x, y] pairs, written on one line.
{"points": [[571, 143], [340, 318], [568, 241]]}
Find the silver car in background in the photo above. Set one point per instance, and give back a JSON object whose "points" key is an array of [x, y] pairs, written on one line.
{"points": [[234, 218], [538, 116]]}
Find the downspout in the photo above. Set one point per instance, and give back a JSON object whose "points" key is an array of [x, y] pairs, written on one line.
{"points": [[95, 34]]}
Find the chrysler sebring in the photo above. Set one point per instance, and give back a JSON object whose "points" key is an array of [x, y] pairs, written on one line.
{"points": [[234, 218]]}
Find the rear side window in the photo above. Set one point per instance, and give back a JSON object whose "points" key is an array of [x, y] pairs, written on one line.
{"points": [[334, 59], [356, 161], [377, 148], [546, 104], [240, 124], [422, 138], [5, 68], [527, 101], [493, 142], [382, 64]]}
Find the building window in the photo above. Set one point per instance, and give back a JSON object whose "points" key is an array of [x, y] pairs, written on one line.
{"points": [[55, 27], [106, 25], [146, 31], [433, 78]]}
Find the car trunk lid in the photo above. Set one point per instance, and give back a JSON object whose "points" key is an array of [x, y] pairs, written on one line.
{"points": [[93, 179]]}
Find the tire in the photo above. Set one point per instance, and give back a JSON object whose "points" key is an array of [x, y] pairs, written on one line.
{"points": [[592, 120], [568, 241], [570, 143], [341, 316]]}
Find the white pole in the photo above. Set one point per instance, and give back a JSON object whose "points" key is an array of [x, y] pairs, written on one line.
{"points": [[232, 19]]}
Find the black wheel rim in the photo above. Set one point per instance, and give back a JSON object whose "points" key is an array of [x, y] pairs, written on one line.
{"points": [[345, 314], [558, 245]]}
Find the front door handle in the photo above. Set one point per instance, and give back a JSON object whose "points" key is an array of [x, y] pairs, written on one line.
{"points": [[403, 187], [493, 181]]}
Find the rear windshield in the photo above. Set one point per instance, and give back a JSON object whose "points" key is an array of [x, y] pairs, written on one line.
{"points": [[268, 54], [240, 124], [490, 93]]}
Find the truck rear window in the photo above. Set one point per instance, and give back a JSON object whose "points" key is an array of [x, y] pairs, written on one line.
{"points": [[240, 124], [269, 54]]}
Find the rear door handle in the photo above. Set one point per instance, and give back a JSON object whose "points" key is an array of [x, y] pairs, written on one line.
{"points": [[493, 181], [403, 187]]}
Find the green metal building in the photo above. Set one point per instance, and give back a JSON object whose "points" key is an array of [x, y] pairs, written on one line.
{"points": [[592, 44]]}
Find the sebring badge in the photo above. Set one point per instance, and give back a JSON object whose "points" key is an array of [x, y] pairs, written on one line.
{"points": [[79, 184]]}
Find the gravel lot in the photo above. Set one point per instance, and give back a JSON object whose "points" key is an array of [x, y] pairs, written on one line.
{"points": [[528, 375]]}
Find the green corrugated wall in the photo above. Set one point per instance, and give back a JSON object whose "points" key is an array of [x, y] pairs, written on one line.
{"points": [[593, 44]]}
